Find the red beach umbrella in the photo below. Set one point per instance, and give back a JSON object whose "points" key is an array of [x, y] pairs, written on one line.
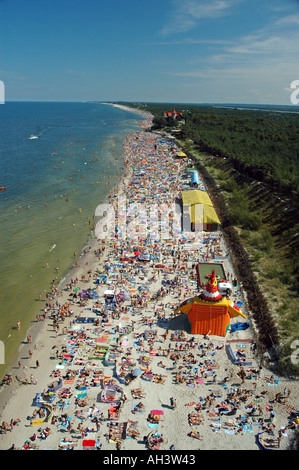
{"points": [[157, 412]]}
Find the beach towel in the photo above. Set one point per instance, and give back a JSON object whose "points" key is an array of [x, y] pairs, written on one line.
{"points": [[64, 404], [135, 410], [247, 429], [69, 381], [239, 326], [92, 411], [102, 339], [152, 425], [275, 382], [229, 431], [239, 354], [65, 425], [216, 427], [88, 444]]}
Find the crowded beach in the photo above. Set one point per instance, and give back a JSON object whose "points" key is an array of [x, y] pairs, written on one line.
{"points": [[116, 364]]}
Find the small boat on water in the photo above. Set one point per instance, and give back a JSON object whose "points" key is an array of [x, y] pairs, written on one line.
{"points": [[36, 135], [2, 188]]}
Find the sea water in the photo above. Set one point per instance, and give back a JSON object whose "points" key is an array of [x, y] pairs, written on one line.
{"points": [[54, 182]]}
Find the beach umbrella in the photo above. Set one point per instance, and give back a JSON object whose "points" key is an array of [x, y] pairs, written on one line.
{"points": [[137, 372], [157, 412]]}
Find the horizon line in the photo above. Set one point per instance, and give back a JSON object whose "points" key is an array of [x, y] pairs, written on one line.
{"points": [[155, 102]]}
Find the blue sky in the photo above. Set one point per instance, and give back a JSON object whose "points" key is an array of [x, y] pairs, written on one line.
{"points": [[188, 51]]}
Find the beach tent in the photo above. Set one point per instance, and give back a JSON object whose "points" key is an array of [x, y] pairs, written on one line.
{"points": [[210, 313], [109, 296], [209, 216], [111, 393], [181, 155], [196, 196], [201, 212], [203, 215], [194, 179]]}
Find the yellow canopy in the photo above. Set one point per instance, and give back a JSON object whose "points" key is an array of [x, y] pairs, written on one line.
{"points": [[201, 208], [203, 214], [210, 216], [195, 196], [181, 154]]}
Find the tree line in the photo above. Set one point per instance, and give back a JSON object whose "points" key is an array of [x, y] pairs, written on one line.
{"points": [[262, 144]]}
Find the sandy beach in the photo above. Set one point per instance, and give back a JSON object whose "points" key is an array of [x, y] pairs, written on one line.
{"points": [[110, 365]]}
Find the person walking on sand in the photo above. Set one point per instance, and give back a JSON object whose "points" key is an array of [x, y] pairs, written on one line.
{"points": [[4, 427], [173, 403], [37, 363], [242, 374]]}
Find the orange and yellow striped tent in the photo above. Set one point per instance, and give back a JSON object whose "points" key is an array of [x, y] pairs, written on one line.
{"points": [[208, 317]]}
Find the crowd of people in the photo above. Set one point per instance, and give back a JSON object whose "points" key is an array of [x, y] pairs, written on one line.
{"points": [[131, 338]]}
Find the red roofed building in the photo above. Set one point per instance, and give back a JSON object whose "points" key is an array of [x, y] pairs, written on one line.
{"points": [[173, 115]]}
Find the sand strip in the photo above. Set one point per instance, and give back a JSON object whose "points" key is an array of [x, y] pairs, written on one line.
{"points": [[158, 385]]}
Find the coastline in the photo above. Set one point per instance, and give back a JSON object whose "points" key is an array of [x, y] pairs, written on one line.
{"points": [[139, 112], [34, 327], [175, 423]]}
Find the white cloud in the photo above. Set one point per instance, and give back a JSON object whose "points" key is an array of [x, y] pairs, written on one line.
{"points": [[186, 13], [263, 62], [256, 44], [288, 20], [188, 41], [257, 65]]}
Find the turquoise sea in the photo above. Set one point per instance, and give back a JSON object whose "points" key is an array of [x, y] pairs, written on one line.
{"points": [[53, 182]]}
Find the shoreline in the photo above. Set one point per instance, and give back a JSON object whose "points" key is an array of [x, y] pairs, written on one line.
{"points": [[70, 271], [35, 329], [157, 395], [145, 114]]}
